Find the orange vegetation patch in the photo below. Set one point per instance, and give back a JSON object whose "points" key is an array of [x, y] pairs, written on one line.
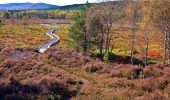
{"points": [[154, 54]]}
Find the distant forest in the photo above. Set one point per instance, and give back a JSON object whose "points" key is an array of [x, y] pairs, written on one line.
{"points": [[42, 14], [60, 12]]}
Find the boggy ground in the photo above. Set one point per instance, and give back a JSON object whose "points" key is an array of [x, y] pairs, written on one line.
{"points": [[65, 74]]}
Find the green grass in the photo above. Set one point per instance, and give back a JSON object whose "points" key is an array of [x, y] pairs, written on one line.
{"points": [[18, 36]]}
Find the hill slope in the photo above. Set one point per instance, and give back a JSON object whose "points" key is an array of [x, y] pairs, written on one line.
{"points": [[26, 6], [71, 7], [39, 6], [64, 74]]}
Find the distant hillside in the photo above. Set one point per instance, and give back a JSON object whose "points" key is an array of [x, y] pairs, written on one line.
{"points": [[78, 6], [44, 6], [71, 7], [32, 6], [26, 6]]}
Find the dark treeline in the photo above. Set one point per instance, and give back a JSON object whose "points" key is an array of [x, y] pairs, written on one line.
{"points": [[63, 12], [41, 14]]}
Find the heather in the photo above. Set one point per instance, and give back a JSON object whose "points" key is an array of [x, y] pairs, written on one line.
{"points": [[108, 50], [72, 74]]}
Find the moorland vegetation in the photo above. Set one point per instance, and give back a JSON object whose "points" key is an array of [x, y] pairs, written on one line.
{"points": [[109, 50]]}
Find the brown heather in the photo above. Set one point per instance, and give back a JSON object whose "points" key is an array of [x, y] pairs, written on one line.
{"points": [[61, 73]]}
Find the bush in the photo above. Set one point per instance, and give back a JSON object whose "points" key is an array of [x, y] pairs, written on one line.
{"points": [[94, 67], [152, 71], [121, 83], [130, 72], [1, 73], [167, 91], [68, 57], [2, 58], [152, 84], [166, 72], [8, 63], [157, 95], [135, 72], [116, 73]]}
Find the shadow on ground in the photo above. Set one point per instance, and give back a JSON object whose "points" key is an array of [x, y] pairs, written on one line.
{"points": [[121, 59], [17, 91]]}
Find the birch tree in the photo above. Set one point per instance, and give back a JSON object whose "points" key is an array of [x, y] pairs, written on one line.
{"points": [[132, 10], [147, 13], [162, 21]]}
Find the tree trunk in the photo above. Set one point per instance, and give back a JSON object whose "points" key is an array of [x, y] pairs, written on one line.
{"points": [[147, 47], [165, 47], [107, 42], [132, 47], [101, 45], [168, 47], [109, 45], [85, 43], [146, 54]]}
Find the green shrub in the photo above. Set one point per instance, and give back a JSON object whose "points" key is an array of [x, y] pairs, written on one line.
{"points": [[2, 58], [134, 74]]}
